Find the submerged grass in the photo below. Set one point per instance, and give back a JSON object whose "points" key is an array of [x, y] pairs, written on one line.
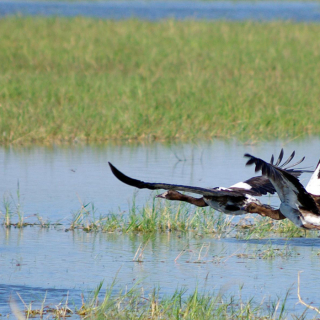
{"points": [[269, 252], [80, 78]]}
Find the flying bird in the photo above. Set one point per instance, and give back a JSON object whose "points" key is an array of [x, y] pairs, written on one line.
{"points": [[298, 204], [232, 200]]}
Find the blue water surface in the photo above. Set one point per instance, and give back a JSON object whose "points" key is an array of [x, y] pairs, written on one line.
{"points": [[56, 265], [156, 10]]}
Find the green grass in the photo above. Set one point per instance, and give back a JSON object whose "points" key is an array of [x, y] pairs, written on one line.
{"points": [[136, 303], [154, 217], [171, 217], [86, 79], [263, 227], [158, 216]]}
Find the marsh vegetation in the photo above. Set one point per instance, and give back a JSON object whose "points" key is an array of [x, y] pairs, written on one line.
{"points": [[193, 236], [87, 79], [158, 217], [84, 79]]}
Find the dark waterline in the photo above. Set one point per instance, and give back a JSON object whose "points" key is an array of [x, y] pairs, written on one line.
{"points": [[156, 10]]}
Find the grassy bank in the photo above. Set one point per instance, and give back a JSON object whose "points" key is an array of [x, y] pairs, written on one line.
{"points": [[65, 79]]}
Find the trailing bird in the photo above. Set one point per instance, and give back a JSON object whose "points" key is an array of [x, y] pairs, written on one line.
{"points": [[298, 204], [232, 200]]}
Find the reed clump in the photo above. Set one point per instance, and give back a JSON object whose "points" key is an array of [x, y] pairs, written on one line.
{"points": [[153, 217], [134, 304], [12, 214], [158, 216], [263, 227], [171, 217], [137, 303], [66, 79]]}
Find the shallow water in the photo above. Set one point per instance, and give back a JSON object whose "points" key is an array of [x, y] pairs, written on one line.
{"points": [[51, 179], [36, 262], [155, 10], [54, 181]]}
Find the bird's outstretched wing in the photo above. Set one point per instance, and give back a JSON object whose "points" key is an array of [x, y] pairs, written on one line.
{"points": [[256, 186], [262, 185], [289, 189], [155, 186]]}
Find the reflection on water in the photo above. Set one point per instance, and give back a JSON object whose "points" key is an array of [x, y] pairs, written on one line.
{"points": [[35, 260], [155, 10], [53, 181]]}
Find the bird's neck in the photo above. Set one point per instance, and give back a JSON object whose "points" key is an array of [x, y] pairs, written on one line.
{"points": [[267, 211], [199, 202]]}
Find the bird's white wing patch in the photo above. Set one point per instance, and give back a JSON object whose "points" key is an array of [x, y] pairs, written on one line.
{"points": [[221, 189], [312, 219], [242, 185], [313, 185]]}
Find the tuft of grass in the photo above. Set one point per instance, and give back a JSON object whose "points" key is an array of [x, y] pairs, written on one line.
{"points": [[57, 312], [155, 217], [7, 212], [263, 227], [18, 208], [78, 78], [12, 208], [135, 304], [13, 214], [269, 252]]}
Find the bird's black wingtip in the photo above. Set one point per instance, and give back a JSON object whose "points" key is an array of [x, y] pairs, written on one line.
{"points": [[114, 170], [251, 159], [112, 167], [125, 179]]}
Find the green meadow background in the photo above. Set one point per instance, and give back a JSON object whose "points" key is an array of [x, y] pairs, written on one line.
{"points": [[78, 78]]}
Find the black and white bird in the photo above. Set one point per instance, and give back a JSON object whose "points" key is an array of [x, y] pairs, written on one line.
{"points": [[298, 204], [232, 200]]}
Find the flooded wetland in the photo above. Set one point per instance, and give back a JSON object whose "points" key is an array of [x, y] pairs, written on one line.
{"points": [[165, 95], [59, 265]]}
